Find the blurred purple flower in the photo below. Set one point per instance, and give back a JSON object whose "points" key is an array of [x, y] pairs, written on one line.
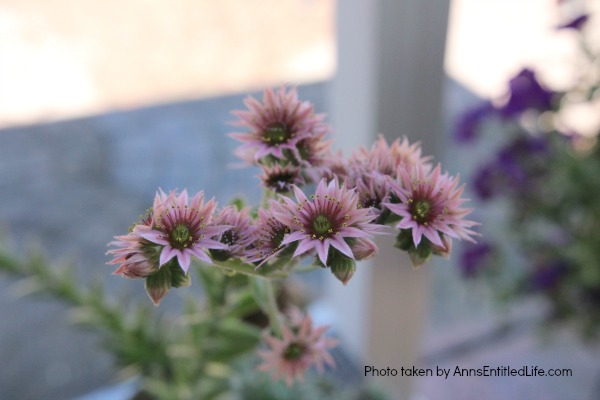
{"points": [[546, 276], [467, 125], [576, 23], [526, 92], [472, 258], [485, 182], [509, 170]]}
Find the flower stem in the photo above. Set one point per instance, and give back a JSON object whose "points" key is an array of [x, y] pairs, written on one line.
{"points": [[264, 293], [267, 195], [272, 310]]}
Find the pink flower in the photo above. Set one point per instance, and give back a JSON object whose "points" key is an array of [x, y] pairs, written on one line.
{"points": [[137, 256], [431, 206], [281, 179], [371, 171], [331, 218], [238, 237], [387, 159], [299, 349], [184, 230], [269, 235], [312, 150], [133, 257], [276, 124], [373, 189], [335, 166]]}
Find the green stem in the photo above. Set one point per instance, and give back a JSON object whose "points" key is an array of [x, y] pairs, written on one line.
{"points": [[267, 195], [272, 310], [264, 294]]}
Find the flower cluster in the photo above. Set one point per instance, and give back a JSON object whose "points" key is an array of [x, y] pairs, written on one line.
{"points": [[316, 204], [284, 137], [546, 172]]}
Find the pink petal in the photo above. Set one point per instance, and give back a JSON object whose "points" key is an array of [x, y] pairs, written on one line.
{"points": [[166, 254], [342, 246], [184, 260], [293, 237], [304, 246], [416, 234], [322, 251]]}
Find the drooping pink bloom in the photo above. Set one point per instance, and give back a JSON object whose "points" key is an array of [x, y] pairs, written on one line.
{"points": [[269, 234], [183, 228], [276, 124], [136, 256], [300, 348], [431, 206], [331, 218], [132, 257], [239, 236]]}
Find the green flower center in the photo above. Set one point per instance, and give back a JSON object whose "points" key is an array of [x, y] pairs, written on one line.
{"points": [[321, 225], [181, 237], [294, 351], [276, 133], [421, 210]]}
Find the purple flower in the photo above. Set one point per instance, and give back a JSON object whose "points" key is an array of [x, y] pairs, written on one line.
{"points": [[183, 230], [469, 122], [486, 182], [547, 276], [276, 124], [512, 169], [332, 218], [526, 92], [473, 258], [576, 23]]}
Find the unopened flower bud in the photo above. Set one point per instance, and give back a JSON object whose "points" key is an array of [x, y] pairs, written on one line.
{"points": [[342, 266], [168, 276], [363, 249], [445, 250], [158, 285], [421, 254], [404, 240]]}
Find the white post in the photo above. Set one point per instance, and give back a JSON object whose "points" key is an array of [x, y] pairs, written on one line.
{"points": [[411, 40], [389, 80], [353, 118]]}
